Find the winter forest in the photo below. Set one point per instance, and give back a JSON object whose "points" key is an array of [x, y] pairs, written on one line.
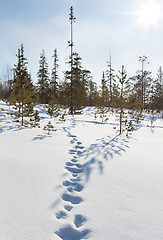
{"points": [[80, 160], [77, 89]]}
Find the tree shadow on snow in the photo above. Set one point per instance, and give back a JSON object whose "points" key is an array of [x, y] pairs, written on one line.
{"points": [[105, 149], [41, 137], [79, 169]]}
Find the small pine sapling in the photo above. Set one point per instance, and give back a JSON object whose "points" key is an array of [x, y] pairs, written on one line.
{"points": [[62, 116], [137, 111], [52, 108], [129, 127], [103, 113], [152, 121], [49, 127], [95, 113], [35, 120]]}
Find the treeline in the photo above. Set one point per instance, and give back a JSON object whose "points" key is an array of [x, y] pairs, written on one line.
{"points": [[78, 89]]}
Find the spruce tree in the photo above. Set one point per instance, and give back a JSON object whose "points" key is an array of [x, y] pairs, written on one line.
{"points": [[111, 80], [158, 90], [75, 85], [92, 93], [49, 128], [1, 91], [104, 91], [54, 77], [43, 80], [22, 94], [103, 101], [71, 19], [52, 107], [144, 80], [123, 81], [35, 119]]}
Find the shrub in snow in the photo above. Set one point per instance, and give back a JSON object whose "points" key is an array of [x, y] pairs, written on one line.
{"points": [[35, 119], [49, 127], [62, 116]]}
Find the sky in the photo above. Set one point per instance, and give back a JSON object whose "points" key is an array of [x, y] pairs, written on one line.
{"points": [[124, 29]]}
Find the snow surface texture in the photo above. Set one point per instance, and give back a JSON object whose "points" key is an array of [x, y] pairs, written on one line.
{"points": [[81, 182]]}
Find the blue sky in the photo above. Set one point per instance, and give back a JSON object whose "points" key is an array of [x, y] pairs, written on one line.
{"points": [[102, 27]]}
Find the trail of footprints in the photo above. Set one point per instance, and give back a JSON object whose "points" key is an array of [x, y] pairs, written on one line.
{"points": [[71, 197]]}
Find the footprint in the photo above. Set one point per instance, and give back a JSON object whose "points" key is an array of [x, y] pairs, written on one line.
{"points": [[79, 153], [72, 199], [74, 160], [73, 186], [61, 214], [79, 220], [68, 208], [70, 135], [79, 147], [78, 187], [78, 165], [67, 183], [76, 179], [68, 233], [74, 175], [70, 189], [74, 170], [70, 164], [72, 151]]}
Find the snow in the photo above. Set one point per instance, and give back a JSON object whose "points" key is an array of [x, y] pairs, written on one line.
{"points": [[83, 181]]}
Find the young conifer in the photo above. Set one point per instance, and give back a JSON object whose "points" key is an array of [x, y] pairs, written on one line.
{"points": [[122, 81], [35, 119], [111, 80], [22, 94], [49, 128], [54, 76], [43, 80]]}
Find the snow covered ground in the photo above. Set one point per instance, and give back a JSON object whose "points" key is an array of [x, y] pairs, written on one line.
{"points": [[81, 182]]}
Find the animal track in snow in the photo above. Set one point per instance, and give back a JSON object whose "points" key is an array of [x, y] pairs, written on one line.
{"points": [[74, 164], [61, 214], [72, 199], [74, 160], [68, 207], [79, 220], [74, 170], [69, 233], [74, 185], [79, 147]]}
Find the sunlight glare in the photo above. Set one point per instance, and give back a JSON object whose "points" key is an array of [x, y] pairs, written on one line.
{"points": [[149, 14]]}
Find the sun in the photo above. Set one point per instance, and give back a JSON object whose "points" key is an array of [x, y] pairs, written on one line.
{"points": [[148, 14]]}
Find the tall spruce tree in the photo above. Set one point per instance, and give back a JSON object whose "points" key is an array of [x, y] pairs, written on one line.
{"points": [[54, 77], [22, 94], [144, 80], [124, 83], [71, 44], [144, 95], [75, 85], [104, 92], [1, 90], [158, 90], [43, 80], [92, 93], [111, 80]]}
